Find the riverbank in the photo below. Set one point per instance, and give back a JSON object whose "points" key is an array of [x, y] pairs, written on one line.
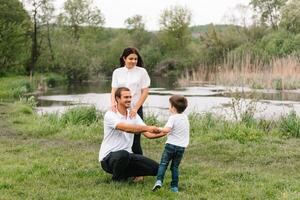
{"points": [[44, 158]]}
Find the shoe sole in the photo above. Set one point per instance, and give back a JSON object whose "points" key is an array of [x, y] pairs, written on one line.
{"points": [[156, 188]]}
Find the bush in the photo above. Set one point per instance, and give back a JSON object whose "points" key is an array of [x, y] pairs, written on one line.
{"points": [[290, 125], [81, 116]]}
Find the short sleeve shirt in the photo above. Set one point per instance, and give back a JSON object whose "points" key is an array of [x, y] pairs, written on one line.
{"points": [[135, 79], [180, 130], [114, 139]]}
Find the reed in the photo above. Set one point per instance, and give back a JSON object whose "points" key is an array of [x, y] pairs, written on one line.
{"points": [[278, 73]]}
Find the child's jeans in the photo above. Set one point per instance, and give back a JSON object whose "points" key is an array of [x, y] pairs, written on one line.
{"points": [[174, 153]]}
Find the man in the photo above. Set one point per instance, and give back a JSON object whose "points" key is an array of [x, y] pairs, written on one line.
{"points": [[115, 153]]}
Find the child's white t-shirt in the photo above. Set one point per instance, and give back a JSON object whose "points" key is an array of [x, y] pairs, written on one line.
{"points": [[180, 130]]}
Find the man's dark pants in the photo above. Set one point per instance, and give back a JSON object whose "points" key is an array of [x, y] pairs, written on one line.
{"points": [[122, 164]]}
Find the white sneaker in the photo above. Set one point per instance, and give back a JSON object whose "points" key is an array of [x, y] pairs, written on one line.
{"points": [[157, 185]]}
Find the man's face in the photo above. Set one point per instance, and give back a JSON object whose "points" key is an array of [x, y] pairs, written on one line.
{"points": [[125, 99]]}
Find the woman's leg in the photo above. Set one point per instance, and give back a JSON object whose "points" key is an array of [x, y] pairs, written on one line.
{"points": [[136, 146]]}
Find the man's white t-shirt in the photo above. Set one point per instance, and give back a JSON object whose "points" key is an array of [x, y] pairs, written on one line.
{"points": [[135, 79], [114, 139], [180, 130]]}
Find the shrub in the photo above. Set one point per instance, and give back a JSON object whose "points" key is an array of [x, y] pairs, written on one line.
{"points": [[81, 115], [290, 125]]}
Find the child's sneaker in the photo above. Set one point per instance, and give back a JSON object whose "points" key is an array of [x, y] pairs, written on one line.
{"points": [[157, 185], [174, 189]]}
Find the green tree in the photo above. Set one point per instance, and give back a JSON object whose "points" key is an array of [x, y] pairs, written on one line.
{"points": [[14, 37], [135, 23], [291, 16], [78, 13], [136, 31], [47, 15], [174, 27], [268, 11]]}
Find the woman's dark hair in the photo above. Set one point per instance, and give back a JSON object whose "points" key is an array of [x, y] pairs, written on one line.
{"points": [[127, 52]]}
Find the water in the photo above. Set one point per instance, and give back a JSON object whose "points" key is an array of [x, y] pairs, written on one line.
{"points": [[201, 98]]}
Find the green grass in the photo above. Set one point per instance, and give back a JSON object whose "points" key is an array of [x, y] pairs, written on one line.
{"points": [[42, 157], [14, 87]]}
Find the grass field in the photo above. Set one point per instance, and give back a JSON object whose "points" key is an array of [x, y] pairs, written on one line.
{"points": [[40, 159]]}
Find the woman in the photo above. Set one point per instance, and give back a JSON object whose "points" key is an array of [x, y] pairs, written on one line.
{"points": [[132, 75]]}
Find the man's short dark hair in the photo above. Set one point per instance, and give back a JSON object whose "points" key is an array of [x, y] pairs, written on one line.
{"points": [[119, 91], [179, 102]]}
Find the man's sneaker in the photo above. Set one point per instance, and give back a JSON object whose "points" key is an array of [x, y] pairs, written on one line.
{"points": [[157, 185], [174, 189]]}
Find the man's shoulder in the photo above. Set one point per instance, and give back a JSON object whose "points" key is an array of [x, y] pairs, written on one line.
{"points": [[110, 114]]}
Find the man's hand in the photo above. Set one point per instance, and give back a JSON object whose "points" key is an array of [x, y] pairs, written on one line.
{"points": [[153, 129]]}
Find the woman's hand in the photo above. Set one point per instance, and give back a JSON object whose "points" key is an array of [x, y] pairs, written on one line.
{"points": [[114, 107], [132, 112]]}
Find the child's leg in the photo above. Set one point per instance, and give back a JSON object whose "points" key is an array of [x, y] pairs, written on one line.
{"points": [[175, 165], [165, 159]]}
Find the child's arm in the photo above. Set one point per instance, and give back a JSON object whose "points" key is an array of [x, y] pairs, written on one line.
{"points": [[150, 135], [165, 130]]}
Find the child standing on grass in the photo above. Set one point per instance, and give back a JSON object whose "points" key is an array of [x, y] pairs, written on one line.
{"points": [[178, 129]]}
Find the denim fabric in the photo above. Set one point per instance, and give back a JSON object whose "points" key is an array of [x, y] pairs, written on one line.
{"points": [[171, 153]]}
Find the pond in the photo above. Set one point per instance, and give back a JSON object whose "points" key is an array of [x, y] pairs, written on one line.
{"points": [[201, 98]]}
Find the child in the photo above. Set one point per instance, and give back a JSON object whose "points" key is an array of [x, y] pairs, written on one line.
{"points": [[178, 129]]}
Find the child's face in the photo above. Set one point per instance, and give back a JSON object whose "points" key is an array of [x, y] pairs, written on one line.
{"points": [[172, 109]]}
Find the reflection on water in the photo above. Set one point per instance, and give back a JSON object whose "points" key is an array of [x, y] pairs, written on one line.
{"points": [[205, 98]]}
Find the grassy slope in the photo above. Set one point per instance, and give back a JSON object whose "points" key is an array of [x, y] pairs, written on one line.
{"points": [[56, 167]]}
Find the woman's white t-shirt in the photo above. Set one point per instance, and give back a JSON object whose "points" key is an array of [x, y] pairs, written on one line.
{"points": [[135, 79]]}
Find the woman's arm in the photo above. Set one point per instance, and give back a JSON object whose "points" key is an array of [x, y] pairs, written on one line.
{"points": [[142, 99], [113, 100]]}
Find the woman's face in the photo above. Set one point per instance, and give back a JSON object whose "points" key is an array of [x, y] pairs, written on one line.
{"points": [[131, 60]]}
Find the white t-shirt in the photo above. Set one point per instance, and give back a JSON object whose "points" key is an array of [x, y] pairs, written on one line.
{"points": [[135, 79], [180, 130], [114, 139]]}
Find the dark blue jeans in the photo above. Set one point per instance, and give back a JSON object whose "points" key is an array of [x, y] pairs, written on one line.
{"points": [[171, 153]]}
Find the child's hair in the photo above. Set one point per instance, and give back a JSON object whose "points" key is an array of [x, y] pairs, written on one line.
{"points": [[179, 102]]}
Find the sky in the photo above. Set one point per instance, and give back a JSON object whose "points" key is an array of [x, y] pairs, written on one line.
{"points": [[203, 11]]}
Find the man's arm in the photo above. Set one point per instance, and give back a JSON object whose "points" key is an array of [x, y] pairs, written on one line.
{"points": [[150, 135], [135, 128]]}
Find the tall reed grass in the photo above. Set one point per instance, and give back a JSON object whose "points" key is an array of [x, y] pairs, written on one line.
{"points": [[278, 73]]}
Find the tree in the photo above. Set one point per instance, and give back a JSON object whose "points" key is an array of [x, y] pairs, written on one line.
{"points": [[135, 23], [35, 6], [136, 30], [269, 11], [174, 26], [46, 17], [79, 13], [291, 16], [14, 38]]}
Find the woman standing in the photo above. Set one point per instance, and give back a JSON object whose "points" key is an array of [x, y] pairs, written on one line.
{"points": [[132, 75]]}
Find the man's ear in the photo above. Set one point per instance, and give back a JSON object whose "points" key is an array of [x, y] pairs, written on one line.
{"points": [[117, 99]]}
